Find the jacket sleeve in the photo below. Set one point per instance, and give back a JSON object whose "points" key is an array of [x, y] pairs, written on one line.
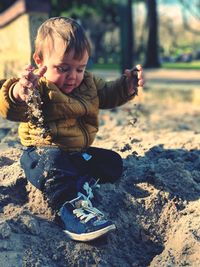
{"points": [[9, 108], [114, 93]]}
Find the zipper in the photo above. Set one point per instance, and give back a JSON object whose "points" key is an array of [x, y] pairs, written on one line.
{"points": [[84, 131], [80, 121]]}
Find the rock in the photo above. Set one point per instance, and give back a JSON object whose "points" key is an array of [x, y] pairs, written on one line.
{"points": [[5, 230], [30, 224]]}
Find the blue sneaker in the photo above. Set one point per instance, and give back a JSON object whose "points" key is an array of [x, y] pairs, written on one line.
{"points": [[83, 222]]}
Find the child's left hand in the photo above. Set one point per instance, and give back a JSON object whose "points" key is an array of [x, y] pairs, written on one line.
{"points": [[133, 83]]}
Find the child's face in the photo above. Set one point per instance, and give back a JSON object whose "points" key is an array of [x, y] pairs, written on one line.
{"points": [[65, 71]]}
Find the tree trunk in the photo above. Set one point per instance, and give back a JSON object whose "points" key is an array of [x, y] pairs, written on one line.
{"points": [[127, 34], [152, 49]]}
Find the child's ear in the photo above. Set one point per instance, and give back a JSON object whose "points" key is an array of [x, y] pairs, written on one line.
{"points": [[38, 60]]}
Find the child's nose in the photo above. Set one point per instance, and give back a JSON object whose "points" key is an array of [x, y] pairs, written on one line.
{"points": [[72, 74]]}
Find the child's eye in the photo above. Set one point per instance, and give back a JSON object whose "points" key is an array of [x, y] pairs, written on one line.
{"points": [[80, 70], [62, 69]]}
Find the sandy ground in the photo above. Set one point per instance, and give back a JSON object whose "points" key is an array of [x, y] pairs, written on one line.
{"points": [[155, 204]]}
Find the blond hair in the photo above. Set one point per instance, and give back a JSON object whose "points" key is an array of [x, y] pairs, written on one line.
{"points": [[68, 30]]}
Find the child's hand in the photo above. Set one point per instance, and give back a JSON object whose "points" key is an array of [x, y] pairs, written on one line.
{"points": [[134, 82], [28, 81]]}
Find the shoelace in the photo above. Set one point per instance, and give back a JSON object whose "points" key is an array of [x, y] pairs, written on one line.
{"points": [[87, 211], [88, 190]]}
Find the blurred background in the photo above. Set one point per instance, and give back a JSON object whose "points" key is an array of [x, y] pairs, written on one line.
{"points": [[154, 33]]}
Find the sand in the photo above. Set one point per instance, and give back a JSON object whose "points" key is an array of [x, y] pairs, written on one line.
{"points": [[155, 204]]}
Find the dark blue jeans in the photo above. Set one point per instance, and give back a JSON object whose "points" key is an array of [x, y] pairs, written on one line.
{"points": [[58, 173]]}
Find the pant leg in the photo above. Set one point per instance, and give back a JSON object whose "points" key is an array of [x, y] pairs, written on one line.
{"points": [[33, 167], [104, 164], [51, 171]]}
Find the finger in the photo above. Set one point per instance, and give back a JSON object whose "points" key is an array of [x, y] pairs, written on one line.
{"points": [[33, 77], [41, 71], [140, 75], [139, 67], [29, 68], [25, 73], [25, 83], [24, 91], [24, 94], [141, 83], [141, 79]]}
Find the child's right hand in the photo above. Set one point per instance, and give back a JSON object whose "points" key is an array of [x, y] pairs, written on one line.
{"points": [[28, 81]]}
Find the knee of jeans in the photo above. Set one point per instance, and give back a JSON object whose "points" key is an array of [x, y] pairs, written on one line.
{"points": [[53, 157], [33, 164], [118, 160]]}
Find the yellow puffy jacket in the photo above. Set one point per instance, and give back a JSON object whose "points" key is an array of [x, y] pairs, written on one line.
{"points": [[72, 119]]}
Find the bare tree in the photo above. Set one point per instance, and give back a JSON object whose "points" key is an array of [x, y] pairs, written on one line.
{"points": [[152, 49], [127, 35], [191, 7]]}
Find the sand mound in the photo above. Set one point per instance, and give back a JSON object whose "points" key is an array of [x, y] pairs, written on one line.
{"points": [[155, 205]]}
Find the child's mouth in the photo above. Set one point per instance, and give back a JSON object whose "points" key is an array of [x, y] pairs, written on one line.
{"points": [[68, 87]]}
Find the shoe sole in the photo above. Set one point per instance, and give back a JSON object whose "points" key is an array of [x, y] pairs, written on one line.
{"points": [[90, 236]]}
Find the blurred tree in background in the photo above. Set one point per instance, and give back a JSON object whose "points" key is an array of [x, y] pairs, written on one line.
{"points": [[194, 10], [120, 35], [100, 19], [152, 47], [104, 21]]}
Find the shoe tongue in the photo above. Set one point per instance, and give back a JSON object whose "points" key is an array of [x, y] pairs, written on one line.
{"points": [[78, 204], [81, 181]]}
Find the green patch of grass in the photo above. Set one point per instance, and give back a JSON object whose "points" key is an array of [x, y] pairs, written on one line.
{"points": [[104, 66], [194, 65]]}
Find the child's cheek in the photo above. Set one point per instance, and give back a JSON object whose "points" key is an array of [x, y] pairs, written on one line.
{"points": [[80, 78]]}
